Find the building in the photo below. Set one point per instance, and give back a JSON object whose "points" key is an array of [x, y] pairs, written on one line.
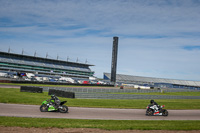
{"points": [[155, 82], [18, 63]]}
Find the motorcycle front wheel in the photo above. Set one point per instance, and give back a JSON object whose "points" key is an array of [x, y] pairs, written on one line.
{"points": [[43, 108], [149, 112], [165, 112], [63, 109]]}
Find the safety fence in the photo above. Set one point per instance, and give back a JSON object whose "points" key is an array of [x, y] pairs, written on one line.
{"points": [[101, 90], [129, 96], [116, 90], [106, 93]]}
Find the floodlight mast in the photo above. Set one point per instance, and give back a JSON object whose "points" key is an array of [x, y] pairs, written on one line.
{"points": [[114, 60]]}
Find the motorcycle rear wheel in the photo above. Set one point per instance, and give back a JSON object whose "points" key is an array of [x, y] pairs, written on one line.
{"points": [[64, 109], [43, 108]]}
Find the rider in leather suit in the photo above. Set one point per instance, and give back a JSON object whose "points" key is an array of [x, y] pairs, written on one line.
{"points": [[56, 101], [152, 102]]}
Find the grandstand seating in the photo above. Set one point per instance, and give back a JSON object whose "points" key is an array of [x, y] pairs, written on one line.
{"points": [[23, 63]]}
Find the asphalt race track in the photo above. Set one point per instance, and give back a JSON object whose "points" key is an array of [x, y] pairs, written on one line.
{"points": [[19, 110]]}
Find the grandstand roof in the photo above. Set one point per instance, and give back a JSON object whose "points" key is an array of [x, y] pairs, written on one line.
{"points": [[44, 59], [140, 79]]}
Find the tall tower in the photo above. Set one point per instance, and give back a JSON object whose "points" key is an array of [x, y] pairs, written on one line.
{"points": [[114, 60]]}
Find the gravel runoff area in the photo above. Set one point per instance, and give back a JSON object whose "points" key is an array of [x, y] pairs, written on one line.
{"points": [[83, 130]]}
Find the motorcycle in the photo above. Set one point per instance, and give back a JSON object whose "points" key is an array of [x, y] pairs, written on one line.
{"points": [[151, 111], [48, 106]]}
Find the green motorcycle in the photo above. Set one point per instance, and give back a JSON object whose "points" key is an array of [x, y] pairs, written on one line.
{"points": [[49, 106]]}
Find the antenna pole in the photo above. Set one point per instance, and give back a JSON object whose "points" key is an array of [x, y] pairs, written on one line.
{"points": [[9, 50]]}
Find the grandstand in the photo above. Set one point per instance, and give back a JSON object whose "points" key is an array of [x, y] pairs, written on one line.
{"points": [[155, 82], [18, 63]]}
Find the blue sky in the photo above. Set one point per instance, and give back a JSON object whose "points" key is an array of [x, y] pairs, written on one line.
{"points": [[157, 38]]}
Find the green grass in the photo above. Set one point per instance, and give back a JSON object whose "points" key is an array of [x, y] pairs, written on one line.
{"points": [[151, 93], [12, 95], [101, 124]]}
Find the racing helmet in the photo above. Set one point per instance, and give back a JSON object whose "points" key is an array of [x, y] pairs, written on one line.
{"points": [[152, 101], [53, 96]]}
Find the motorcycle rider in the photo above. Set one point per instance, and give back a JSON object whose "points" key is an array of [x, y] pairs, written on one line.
{"points": [[56, 101], [157, 107]]}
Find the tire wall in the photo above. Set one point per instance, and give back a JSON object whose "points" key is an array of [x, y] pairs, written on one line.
{"points": [[61, 93], [31, 89]]}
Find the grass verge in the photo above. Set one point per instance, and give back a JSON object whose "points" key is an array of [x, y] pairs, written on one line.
{"points": [[12, 95], [139, 93], [101, 124]]}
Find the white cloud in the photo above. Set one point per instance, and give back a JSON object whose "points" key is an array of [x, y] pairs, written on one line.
{"points": [[152, 34]]}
